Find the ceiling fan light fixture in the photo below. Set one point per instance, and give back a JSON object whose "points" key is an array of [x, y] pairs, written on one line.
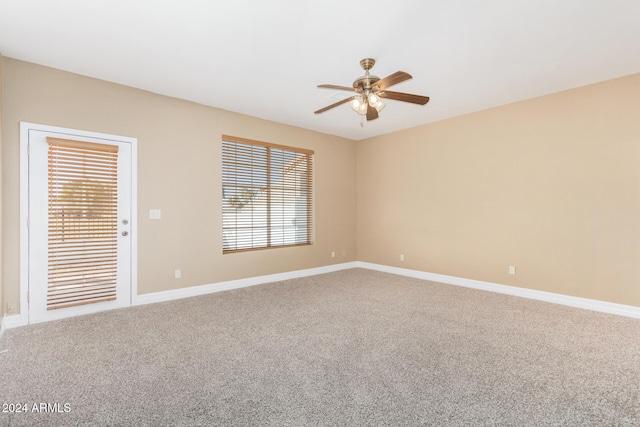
{"points": [[379, 105], [373, 99], [363, 108], [359, 105]]}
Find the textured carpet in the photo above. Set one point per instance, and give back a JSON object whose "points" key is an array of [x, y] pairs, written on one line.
{"points": [[351, 348]]}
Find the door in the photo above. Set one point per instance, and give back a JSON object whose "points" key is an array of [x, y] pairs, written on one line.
{"points": [[79, 227]]}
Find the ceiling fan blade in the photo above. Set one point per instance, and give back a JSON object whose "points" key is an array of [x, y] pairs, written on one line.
{"points": [[405, 97], [350, 89], [393, 79], [372, 113], [328, 107]]}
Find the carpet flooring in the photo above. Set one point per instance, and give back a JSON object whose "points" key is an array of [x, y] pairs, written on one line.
{"points": [[350, 348]]}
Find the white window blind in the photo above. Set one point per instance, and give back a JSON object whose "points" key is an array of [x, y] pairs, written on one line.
{"points": [[266, 195], [82, 231]]}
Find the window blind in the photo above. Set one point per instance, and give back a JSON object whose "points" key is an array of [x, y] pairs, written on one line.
{"points": [[82, 229], [266, 195]]}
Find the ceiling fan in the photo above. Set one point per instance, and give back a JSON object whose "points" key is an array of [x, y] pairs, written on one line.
{"points": [[371, 89]]}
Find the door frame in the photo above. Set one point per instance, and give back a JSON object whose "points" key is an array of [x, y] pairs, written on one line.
{"points": [[25, 128]]}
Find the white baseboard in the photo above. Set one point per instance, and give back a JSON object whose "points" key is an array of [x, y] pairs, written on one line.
{"points": [[236, 284], [584, 303], [15, 320]]}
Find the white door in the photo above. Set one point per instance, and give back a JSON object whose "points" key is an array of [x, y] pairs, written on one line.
{"points": [[79, 227]]}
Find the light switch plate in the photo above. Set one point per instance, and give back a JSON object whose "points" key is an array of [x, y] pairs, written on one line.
{"points": [[154, 213]]}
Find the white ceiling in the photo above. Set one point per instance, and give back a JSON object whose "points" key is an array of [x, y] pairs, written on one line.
{"points": [[265, 58]]}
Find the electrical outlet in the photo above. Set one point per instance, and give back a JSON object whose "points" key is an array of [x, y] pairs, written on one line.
{"points": [[177, 274], [401, 257], [512, 269], [333, 254]]}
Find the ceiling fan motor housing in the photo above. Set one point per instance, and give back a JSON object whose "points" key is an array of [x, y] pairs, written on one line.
{"points": [[365, 82]]}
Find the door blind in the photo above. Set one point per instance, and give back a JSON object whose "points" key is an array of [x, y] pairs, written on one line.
{"points": [[82, 229]]}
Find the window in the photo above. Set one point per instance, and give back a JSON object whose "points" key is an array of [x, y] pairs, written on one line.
{"points": [[266, 195]]}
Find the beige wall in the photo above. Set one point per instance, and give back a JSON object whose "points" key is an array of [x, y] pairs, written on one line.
{"points": [[549, 185], [179, 168]]}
